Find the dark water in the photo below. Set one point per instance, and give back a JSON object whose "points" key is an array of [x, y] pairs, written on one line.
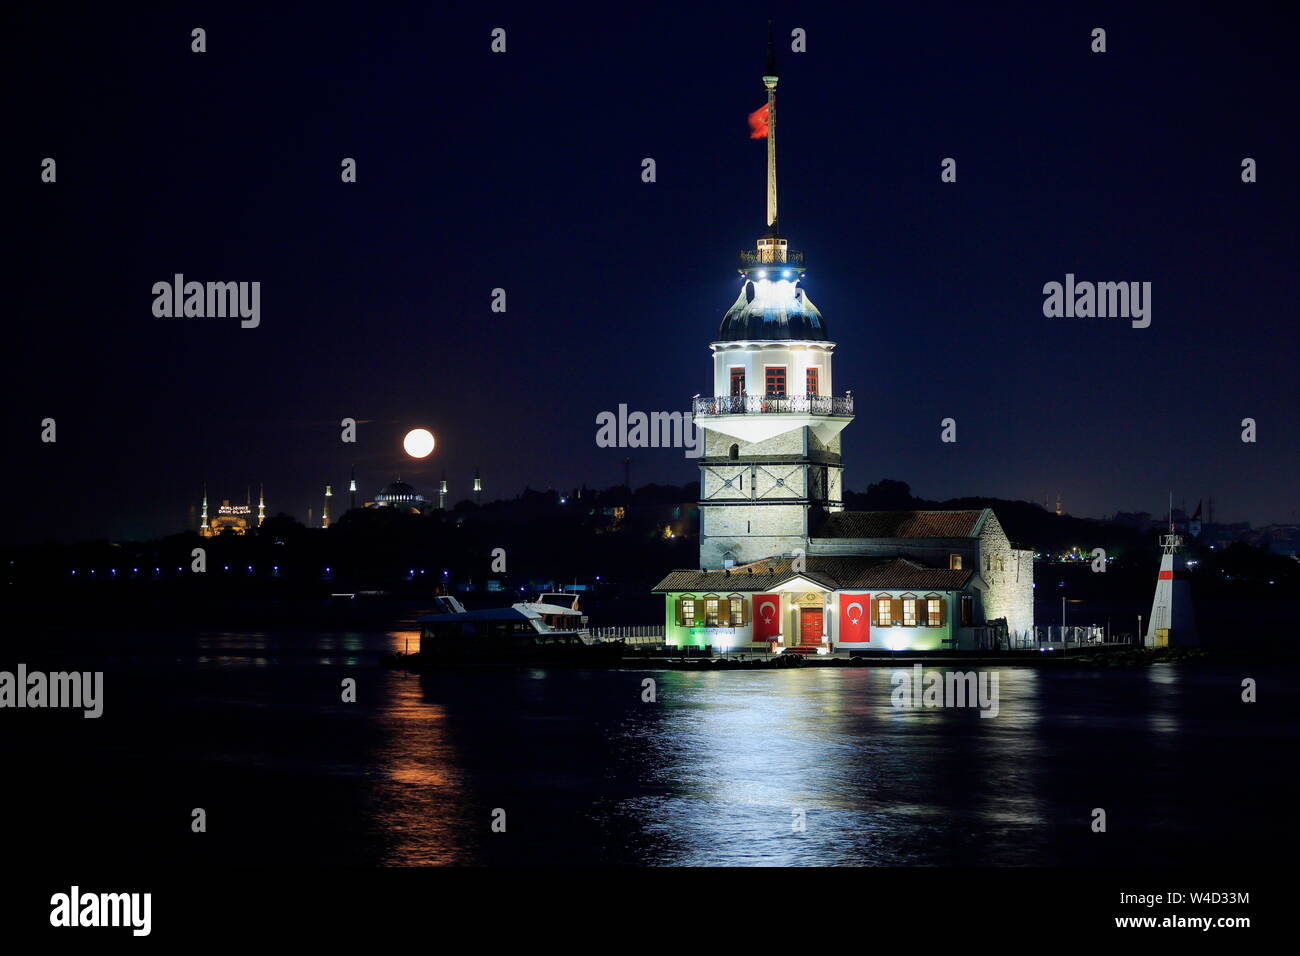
{"points": [[251, 728]]}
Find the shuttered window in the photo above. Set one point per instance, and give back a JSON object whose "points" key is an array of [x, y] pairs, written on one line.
{"points": [[812, 381], [776, 381], [934, 611], [909, 611], [686, 610], [884, 612], [737, 382]]}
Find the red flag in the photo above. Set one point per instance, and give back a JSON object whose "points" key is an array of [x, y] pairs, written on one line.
{"points": [[758, 123], [855, 619], [767, 616]]}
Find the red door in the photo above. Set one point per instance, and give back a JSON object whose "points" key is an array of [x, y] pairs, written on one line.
{"points": [[810, 625]]}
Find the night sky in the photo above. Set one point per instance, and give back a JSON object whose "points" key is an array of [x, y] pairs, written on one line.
{"points": [[523, 171]]}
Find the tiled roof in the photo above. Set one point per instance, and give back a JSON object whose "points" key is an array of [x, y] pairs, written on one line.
{"points": [[834, 573], [900, 524]]}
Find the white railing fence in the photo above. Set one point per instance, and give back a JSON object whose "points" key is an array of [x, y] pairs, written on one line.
{"points": [[634, 634]]}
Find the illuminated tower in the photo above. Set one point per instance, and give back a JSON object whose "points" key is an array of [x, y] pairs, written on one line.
{"points": [[442, 493], [203, 527], [478, 487], [1173, 622], [771, 462], [261, 504], [352, 488], [325, 512]]}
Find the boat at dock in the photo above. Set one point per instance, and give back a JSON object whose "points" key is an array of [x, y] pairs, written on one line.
{"points": [[547, 632]]}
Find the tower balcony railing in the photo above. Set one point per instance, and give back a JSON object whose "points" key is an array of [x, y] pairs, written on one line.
{"points": [[839, 405], [768, 257]]}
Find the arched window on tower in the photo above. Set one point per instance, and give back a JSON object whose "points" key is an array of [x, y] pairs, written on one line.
{"points": [[734, 452]]}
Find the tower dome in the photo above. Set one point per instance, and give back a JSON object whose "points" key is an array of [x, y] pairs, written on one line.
{"points": [[772, 306]]}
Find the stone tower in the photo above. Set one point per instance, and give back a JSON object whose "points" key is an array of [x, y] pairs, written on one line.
{"points": [[771, 460]]}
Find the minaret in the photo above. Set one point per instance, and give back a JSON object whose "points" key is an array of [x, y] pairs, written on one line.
{"points": [[352, 488], [261, 504], [1172, 622], [203, 528], [478, 487], [771, 466], [442, 493], [325, 513]]}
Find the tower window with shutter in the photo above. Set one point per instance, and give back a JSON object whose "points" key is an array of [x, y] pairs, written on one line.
{"points": [[812, 381], [776, 381]]}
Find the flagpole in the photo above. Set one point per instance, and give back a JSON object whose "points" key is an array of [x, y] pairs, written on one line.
{"points": [[769, 80]]}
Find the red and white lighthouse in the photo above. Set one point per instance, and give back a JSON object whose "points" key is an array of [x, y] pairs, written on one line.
{"points": [[1173, 621]]}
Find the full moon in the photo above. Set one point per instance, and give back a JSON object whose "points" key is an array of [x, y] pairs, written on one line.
{"points": [[418, 442]]}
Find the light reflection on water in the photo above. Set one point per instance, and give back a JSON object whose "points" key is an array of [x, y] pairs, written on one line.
{"points": [[714, 771], [711, 773]]}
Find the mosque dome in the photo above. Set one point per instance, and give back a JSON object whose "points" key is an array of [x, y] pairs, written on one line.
{"points": [[772, 310], [401, 494]]}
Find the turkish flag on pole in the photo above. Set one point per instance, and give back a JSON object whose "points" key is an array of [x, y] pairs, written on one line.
{"points": [[767, 616], [758, 123], [855, 618]]}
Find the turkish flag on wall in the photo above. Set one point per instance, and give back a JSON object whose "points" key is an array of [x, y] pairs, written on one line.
{"points": [[767, 616], [758, 123], [855, 618]]}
